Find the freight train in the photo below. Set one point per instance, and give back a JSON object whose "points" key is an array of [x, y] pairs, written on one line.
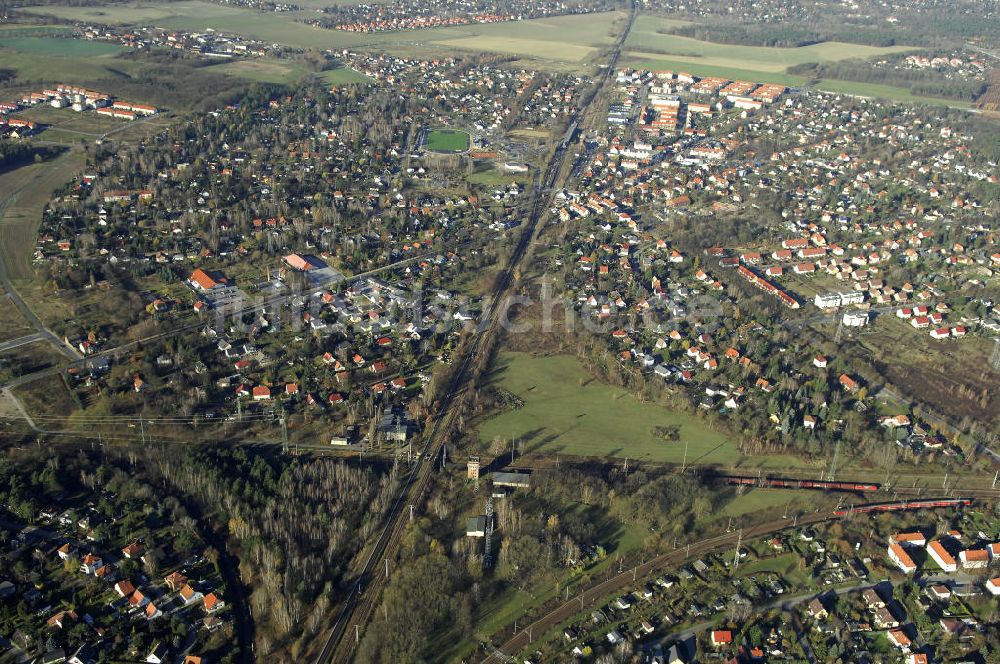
{"points": [[781, 483], [905, 505]]}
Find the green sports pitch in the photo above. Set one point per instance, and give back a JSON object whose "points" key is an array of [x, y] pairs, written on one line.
{"points": [[446, 140]]}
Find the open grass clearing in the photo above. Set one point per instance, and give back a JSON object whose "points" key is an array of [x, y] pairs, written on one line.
{"points": [[263, 70], [698, 67], [953, 376], [84, 124], [569, 412], [47, 397], [493, 177], [26, 191], [11, 30], [757, 500]]}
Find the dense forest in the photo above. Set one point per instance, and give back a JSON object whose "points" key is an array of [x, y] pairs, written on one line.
{"points": [[295, 526], [12, 152], [922, 83], [940, 30]]}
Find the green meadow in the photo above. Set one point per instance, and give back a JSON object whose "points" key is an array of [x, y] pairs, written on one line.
{"points": [[567, 411]]}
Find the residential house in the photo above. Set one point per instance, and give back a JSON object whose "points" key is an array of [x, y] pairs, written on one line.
{"points": [[941, 556], [901, 559], [189, 595], [124, 588], [817, 611], [158, 655], [974, 558], [90, 564], [175, 581], [213, 603]]}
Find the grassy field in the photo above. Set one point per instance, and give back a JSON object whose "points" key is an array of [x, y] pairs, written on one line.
{"points": [[12, 30], [447, 140], [32, 68], [953, 376], [85, 125], [646, 37], [698, 68], [264, 70], [26, 190], [68, 47], [492, 177], [566, 411], [756, 500], [344, 76], [522, 47], [884, 92]]}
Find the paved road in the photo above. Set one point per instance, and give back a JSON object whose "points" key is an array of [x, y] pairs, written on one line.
{"points": [[21, 341]]}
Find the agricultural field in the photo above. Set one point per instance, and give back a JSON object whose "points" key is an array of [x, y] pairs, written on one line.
{"points": [[447, 140], [560, 39], [567, 411], [24, 192]]}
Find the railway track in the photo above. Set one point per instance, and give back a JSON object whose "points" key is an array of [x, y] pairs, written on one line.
{"points": [[365, 590], [597, 593]]}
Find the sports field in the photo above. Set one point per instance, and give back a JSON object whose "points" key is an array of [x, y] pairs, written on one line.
{"points": [[447, 140], [567, 411]]}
